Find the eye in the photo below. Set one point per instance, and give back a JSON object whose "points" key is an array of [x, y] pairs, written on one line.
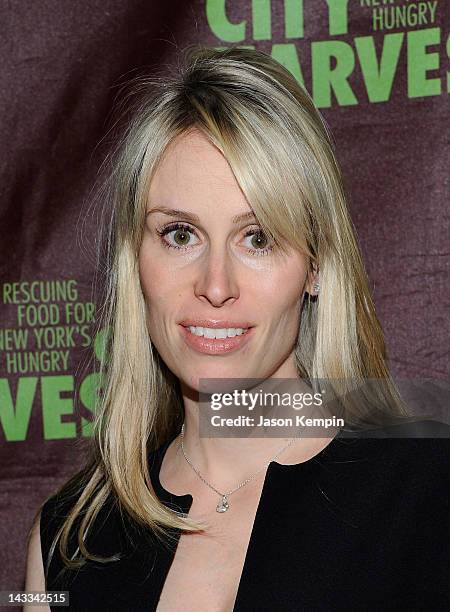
{"points": [[181, 235], [259, 241]]}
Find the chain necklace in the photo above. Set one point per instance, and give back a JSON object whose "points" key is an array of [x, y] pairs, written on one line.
{"points": [[224, 504]]}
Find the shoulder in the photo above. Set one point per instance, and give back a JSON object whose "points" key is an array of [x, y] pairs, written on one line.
{"points": [[58, 505], [111, 532], [412, 447], [35, 580], [424, 453], [391, 479], [409, 453], [419, 429], [53, 514]]}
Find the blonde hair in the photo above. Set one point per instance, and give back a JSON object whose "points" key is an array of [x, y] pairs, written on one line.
{"points": [[281, 153]]}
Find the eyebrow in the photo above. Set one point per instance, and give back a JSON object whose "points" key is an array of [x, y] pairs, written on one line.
{"points": [[173, 212]]}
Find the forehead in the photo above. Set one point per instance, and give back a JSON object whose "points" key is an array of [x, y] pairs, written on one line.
{"points": [[193, 171]]}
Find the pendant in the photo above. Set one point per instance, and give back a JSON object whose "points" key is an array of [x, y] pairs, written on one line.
{"points": [[223, 505]]}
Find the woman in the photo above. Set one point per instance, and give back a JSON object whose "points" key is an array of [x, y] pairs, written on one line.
{"points": [[233, 257]]}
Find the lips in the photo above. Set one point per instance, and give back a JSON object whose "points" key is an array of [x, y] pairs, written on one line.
{"points": [[216, 346], [215, 323]]}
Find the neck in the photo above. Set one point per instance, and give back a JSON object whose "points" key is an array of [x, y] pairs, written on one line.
{"points": [[225, 462]]}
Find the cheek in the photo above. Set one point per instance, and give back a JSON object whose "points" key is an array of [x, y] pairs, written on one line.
{"points": [[152, 282], [154, 276], [283, 287], [160, 287]]}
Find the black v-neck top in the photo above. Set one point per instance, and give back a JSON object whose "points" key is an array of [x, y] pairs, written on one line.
{"points": [[363, 525]]}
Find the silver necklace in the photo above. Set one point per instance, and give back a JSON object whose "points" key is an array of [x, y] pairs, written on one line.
{"points": [[224, 504]]}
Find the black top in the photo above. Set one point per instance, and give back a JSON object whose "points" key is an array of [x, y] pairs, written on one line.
{"points": [[363, 525]]}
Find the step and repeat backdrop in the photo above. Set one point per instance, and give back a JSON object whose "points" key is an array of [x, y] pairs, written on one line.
{"points": [[378, 70]]}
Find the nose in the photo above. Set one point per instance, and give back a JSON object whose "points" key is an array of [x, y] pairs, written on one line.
{"points": [[216, 282]]}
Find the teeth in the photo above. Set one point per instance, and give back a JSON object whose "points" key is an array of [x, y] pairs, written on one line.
{"points": [[208, 332]]}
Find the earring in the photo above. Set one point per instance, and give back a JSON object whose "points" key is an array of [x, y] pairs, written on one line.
{"points": [[316, 287]]}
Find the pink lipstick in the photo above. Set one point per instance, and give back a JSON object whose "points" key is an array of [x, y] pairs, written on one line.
{"points": [[216, 346]]}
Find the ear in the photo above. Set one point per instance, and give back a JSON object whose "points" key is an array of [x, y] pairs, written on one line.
{"points": [[313, 280]]}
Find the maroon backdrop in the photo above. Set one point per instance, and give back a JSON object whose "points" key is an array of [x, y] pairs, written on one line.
{"points": [[379, 74]]}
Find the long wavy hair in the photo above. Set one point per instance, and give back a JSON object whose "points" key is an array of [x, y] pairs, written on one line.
{"points": [[282, 155]]}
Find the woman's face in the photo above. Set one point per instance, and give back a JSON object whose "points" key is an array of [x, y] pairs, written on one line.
{"points": [[203, 268]]}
